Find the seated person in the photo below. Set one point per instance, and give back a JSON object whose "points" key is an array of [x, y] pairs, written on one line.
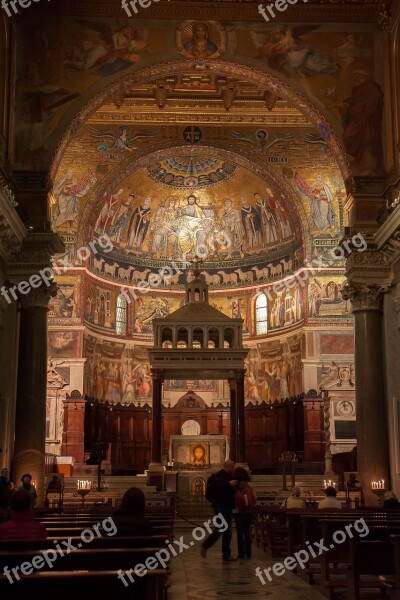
{"points": [[294, 501], [129, 518], [55, 485], [22, 524], [330, 500], [352, 482], [390, 500]]}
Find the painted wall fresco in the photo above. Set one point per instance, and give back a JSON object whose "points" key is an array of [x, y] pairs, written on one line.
{"points": [[115, 374], [335, 67], [118, 373], [197, 385], [275, 372], [66, 344], [59, 60]]}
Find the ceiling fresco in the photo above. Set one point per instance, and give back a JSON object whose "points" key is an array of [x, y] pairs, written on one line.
{"points": [[205, 157], [62, 62]]}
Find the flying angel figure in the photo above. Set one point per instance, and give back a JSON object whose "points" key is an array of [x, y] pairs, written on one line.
{"points": [[314, 138], [285, 51], [112, 48], [121, 142], [259, 139]]}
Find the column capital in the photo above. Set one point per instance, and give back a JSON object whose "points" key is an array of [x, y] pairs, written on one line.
{"points": [[157, 374], [38, 297], [364, 297]]}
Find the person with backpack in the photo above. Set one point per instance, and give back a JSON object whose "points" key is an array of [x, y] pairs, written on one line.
{"points": [[245, 501], [220, 492]]}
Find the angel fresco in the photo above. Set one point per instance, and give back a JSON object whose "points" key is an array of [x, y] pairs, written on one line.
{"points": [[285, 51], [123, 141], [260, 139], [116, 48]]}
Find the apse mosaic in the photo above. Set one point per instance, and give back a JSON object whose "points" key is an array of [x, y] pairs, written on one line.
{"points": [[194, 170], [232, 226]]}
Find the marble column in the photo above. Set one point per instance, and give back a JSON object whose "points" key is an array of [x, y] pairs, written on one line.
{"points": [[30, 415], [156, 422], [372, 430], [232, 408], [240, 424]]}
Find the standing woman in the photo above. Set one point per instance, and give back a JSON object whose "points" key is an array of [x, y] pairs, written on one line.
{"points": [[244, 505]]}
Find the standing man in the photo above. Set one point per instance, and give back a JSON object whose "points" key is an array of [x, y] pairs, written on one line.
{"points": [[223, 502], [6, 487], [138, 226], [233, 228]]}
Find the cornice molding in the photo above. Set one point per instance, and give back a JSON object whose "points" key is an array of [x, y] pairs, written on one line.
{"points": [[387, 239], [239, 10], [370, 267], [34, 255]]}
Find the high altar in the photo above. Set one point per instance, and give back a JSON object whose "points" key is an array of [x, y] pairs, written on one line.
{"points": [[198, 451]]}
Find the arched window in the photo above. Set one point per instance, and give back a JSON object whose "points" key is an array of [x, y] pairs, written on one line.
{"points": [[261, 315], [120, 320]]}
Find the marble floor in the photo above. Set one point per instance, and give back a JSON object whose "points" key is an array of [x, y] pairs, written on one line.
{"points": [[194, 577]]}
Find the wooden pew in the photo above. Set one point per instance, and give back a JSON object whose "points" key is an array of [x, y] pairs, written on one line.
{"points": [[357, 562], [102, 584], [85, 560], [148, 541]]}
